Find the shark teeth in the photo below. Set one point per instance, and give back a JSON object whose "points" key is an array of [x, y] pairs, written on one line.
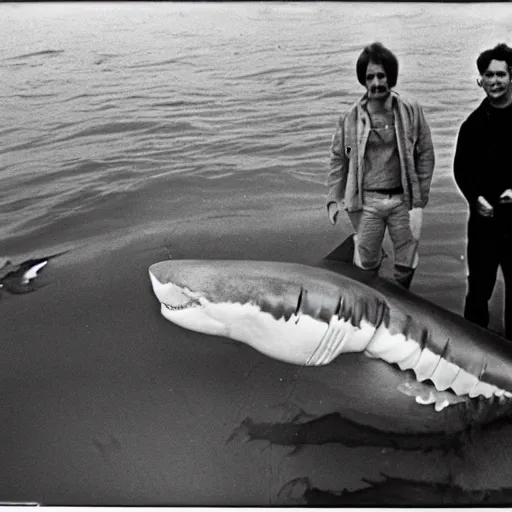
{"points": [[190, 304]]}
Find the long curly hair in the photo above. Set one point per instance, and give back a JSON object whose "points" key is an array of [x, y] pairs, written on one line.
{"points": [[378, 54]]}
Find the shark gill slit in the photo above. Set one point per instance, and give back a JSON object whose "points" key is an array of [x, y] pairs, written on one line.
{"points": [[483, 369], [300, 300], [445, 349], [339, 305], [345, 325], [445, 372]]}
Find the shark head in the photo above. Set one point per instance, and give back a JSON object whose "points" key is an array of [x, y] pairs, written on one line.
{"points": [[185, 295], [281, 309]]}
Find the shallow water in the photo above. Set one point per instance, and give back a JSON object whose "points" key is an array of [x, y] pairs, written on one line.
{"points": [[205, 129]]}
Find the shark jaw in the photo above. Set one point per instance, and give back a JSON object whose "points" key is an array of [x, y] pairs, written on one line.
{"points": [[184, 307], [292, 339]]}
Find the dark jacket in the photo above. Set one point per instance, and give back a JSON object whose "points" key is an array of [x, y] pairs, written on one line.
{"points": [[482, 164]]}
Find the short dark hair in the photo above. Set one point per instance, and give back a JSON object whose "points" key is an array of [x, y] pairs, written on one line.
{"points": [[499, 52], [378, 54]]}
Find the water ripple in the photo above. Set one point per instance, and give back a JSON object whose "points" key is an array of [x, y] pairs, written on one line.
{"points": [[207, 92], [36, 54]]}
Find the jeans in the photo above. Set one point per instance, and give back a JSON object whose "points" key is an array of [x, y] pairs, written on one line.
{"points": [[381, 211], [489, 246]]}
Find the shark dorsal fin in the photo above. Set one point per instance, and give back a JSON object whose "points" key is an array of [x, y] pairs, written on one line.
{"points": [[344, 253]]}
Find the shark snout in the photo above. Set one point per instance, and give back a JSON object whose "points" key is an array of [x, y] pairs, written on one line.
{"points": [[161, 272], [158, 287], [167, 293], [170, 294]]}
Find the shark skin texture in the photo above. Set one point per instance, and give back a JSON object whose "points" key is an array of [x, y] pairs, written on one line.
{"points": [[374, 352]]}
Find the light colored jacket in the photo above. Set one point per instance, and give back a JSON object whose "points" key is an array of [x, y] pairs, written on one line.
{"points": [[415, 150]]}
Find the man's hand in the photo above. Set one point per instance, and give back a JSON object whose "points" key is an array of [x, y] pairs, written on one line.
{"points": [[332, 211], [506, 196], [483, 207]]}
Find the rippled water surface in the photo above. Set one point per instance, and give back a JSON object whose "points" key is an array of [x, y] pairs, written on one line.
{"points": [[117, 117]]}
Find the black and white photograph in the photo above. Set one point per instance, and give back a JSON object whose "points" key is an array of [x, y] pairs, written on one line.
{"points": [[255, 254]]}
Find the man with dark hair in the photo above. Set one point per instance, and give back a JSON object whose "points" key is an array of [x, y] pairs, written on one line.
{"points": [[381, 166], [483, 173]]}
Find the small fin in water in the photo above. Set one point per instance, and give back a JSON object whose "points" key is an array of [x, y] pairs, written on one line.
{"points": [[344, 253], [22, 278]]}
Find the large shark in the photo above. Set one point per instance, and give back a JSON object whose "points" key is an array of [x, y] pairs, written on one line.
{"points": [[315, 315]]}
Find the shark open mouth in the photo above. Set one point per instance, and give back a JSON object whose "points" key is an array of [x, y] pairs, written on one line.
{"points": [[173, 297], [190, 304]]}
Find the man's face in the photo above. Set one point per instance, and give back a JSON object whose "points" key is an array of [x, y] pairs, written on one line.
{"points": [[376, 82], [496, 81]]}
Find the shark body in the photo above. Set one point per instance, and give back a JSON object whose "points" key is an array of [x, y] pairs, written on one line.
{"points": [[315, 315]]}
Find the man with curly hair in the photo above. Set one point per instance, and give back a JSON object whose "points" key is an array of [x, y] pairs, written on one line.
{"points": [[381, 167]]}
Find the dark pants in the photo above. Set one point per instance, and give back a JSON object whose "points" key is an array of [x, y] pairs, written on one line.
{"points": [[489, 246]]}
